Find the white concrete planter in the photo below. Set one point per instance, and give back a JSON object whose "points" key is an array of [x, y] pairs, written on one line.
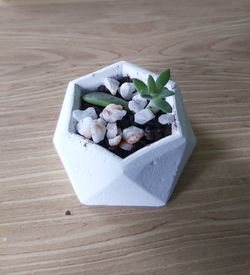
{"points": [[99, 177]]}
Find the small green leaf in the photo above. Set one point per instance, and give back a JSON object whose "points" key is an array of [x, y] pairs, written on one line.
{"points": [[166, 92], [103, 99], [163, 79], [145, 94], [152, 86], [162, 104], [139, 85]]}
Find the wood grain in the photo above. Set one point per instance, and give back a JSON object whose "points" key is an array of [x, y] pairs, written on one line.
{"points": [[205, 229]]}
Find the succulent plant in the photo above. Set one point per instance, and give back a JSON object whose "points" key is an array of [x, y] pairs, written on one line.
{"points": [[155, 91]]}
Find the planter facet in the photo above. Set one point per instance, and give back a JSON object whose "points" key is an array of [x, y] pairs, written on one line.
{"points": [[99, 177]]}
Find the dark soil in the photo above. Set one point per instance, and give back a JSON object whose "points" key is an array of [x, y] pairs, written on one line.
{"points": [[153, 129]]}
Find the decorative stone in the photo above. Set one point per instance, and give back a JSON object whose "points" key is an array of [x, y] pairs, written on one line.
{"points": [[137, 103], [89, 112], [126, 90], [132, 134], [98, 131], [126, 146], [101, 117], [144, 116], [83, 127], [112, 130], [171, 85], [115, 140], [111, 84], [113, 112], [135, 106], [102, 121], [166, 119], [138, 97]]}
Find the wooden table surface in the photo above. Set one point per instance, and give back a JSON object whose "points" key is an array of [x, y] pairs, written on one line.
{"points": [[205, 228]]}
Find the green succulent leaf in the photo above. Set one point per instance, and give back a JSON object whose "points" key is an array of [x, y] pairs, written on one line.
{"points": [[166, 92], [145, 94], [103, 99], [163, 79], [152, 86], [139, 85], [162, 104]]}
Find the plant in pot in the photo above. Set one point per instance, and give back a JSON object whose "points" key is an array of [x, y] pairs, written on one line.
{"points": [[123, 136]]}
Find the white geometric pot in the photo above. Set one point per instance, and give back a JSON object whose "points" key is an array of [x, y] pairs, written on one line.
{"points": [[145, 178]]}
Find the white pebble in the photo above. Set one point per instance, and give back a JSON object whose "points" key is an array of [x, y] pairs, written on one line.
{"points": [[143, 116], [126, 90], [137, 103], [113, 112], [115, 106], [83, 127], [126, 146], [171, 85], [89, 112], [115, 140], [102, 121], [111, 84], [101, 116], [136, 106], [166, 119], [138, 97], [98, 131], [132, 134], [112, 130]]}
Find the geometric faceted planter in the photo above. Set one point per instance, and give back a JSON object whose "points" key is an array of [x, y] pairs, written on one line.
{"points": [[145, 178]]}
